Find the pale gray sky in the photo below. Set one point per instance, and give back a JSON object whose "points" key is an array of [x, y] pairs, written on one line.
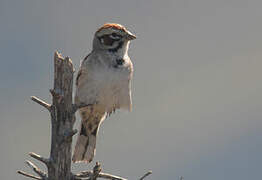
{"points": [[196, 89]]}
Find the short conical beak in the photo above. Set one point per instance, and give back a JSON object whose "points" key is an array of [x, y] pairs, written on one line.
{"points": [[130, 36]]}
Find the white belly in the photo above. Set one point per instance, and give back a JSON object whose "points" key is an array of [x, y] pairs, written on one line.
{"points": [[108, 87]]}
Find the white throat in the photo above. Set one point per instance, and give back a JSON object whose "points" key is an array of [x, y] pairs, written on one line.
{"points": [[123, 51]]}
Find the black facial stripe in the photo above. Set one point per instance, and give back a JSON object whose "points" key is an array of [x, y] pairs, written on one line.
{"points": [[106, 40], [113, 50], [119, 62]]}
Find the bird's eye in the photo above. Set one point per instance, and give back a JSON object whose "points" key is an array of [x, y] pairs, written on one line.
{"points": [[115, 36]]}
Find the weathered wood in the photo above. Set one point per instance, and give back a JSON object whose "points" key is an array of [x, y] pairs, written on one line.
{"points": [[89, 174], [40, 158], [29, 175], [61, 118], [36, 169], [41, 102]]}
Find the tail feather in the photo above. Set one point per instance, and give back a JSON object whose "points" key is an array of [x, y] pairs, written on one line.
{"points": [[85, 148], [86, 142]]}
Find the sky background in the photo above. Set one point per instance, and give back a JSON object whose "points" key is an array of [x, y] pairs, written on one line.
{"points": [[197, 103]]}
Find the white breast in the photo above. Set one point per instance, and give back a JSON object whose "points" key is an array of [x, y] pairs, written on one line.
{"points": [[107, 86]]}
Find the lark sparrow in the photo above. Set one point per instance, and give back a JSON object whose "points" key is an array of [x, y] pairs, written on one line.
{"points": [[103, 83]]}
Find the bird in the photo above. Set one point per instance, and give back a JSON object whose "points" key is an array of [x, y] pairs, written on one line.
{"points": [[103, 84]]}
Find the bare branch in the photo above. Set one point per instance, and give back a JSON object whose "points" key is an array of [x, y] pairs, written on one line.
{"points": [[36, 169], [110, 176], [29, 175], [40, 158], [92, 175], [83, 174], [147, 174], [86, 174], [41, 102]]}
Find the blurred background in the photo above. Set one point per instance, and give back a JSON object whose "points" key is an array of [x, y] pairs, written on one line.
{"points": [[196, 89]]}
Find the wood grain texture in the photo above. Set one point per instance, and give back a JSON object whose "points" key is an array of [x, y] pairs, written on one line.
{"points": [[61, 118]]}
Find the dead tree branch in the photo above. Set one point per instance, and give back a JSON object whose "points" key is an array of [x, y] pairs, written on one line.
{"points": [[36, 169], [96, 173], [39, 158], [62, 112], [147, 174], [41, 102], [28, 175]]}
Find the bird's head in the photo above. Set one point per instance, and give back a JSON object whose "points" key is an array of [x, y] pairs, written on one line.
{"points": [[112, 37]]}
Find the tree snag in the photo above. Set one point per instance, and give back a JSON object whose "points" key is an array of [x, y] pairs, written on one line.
{"points": [[62, 111]]}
